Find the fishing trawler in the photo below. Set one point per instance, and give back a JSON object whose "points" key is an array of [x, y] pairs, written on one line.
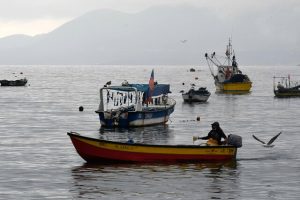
{"points": [[228, 78], [284, 87], [134, 105]]}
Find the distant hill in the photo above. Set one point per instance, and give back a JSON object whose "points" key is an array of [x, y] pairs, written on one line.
{"points": [[159, 35]]}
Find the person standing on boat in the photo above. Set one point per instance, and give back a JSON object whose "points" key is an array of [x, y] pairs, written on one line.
{"points": [[279, 86], [234, 65], [215, 136]]}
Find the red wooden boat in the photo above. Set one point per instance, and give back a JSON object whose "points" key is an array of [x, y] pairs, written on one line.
{"points": [[103, 151]]}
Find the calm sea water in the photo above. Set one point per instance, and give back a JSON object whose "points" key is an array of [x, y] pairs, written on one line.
{"points": [[38, 160]]}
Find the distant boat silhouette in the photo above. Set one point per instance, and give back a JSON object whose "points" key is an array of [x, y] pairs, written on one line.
{"points": [[269, 144], [18, 82]]}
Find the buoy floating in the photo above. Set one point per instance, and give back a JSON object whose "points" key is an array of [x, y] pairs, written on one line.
{"points": [[81, 108]]}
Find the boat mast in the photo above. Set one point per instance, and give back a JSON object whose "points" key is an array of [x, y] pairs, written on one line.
{"points": [[274, 78], [101, 105], [210, 59], [229, 52]]}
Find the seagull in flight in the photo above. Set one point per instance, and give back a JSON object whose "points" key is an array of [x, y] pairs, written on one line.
{"points": [[269, 144]]}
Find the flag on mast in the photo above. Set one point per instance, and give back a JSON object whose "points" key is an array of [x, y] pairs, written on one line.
{"points": [[151, 81], [151, 86]]}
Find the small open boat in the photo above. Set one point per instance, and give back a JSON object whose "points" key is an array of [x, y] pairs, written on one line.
{"points": [[228, 78], [200, 95], [103, 151], [284, 87]]}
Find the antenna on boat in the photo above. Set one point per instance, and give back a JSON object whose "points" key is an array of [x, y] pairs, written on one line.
{"points": [[228, 52]]}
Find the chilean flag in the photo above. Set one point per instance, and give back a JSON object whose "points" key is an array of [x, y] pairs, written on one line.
{"points": [[151, 86], [151, 81]]}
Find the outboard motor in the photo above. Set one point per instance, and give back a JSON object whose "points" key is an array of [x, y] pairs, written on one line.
{"points": [[234, 140]]}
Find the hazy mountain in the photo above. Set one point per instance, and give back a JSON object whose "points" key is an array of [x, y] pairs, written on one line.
{"points": [[160, 35]]}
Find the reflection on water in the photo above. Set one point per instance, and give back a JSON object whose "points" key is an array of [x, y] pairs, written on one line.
{"points": [[134, 180], [233, 92], [232, 164], [159, 134], [191, 103]]}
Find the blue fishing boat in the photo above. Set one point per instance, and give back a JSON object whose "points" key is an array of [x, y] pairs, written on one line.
{"points": [[134, 105]]}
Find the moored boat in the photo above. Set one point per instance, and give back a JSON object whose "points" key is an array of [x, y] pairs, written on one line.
{"points": [[284, 87], [133, 105], [200, 95], [103, 151], [18, 82], [228, 76]]}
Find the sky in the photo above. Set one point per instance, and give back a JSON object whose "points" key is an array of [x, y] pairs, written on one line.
{"points": [[33, 17]]}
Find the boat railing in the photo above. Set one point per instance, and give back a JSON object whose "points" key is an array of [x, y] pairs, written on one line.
{"points": [[165, 101], [285, 82], [124, 89], [171, 101], [111, 101], [121, 109]]}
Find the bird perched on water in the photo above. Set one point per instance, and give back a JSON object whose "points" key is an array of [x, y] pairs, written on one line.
{"points": [[269, 144]]}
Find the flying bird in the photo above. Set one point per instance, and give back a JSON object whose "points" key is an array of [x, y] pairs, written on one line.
{"points": [[183, 41], [269, 144], [108, 83]]}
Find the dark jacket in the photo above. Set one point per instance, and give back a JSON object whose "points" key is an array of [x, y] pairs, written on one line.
{"points": [[216, 134]]}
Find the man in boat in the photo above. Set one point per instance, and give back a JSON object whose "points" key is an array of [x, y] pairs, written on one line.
{"points": [[279, 86], [227, 73], [215, 136], [234, 65]]}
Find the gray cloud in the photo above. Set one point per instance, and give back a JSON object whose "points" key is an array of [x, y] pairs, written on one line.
{"points": [[258, 36], [32, 9], [273, 23]]}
